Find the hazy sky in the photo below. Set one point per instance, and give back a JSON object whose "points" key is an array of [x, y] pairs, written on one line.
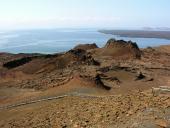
{"points": [[17, 14]]}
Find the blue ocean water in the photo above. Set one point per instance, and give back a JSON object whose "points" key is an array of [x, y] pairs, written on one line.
{"points": [[59, 40]]}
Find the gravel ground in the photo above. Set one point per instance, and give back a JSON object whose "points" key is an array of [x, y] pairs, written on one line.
{"points": [[136, 110]]}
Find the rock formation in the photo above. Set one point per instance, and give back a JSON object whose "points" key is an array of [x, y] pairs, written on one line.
{"points": [[126, 49], [86, 46]]}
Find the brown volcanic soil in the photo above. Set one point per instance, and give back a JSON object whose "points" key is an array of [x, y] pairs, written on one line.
{"points": [[120, 70], [164, 48], [136, 110]]}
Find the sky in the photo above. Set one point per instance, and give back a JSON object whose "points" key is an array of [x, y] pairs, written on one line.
{"points": [[28, 14]]}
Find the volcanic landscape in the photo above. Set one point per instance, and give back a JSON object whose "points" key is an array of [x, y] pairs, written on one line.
{"points": [[116, 86]]}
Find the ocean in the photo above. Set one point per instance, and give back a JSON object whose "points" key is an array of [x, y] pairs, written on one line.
{"points": [[60, 40]]}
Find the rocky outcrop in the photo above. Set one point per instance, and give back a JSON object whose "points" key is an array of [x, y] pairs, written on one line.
{"points": [[86, 46], [128, 49], [99, 82], [82, 57]]}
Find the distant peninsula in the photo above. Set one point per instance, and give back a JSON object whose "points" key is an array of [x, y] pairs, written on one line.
{"points": [[139, 33]]}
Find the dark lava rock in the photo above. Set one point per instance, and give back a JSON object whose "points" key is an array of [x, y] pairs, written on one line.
{"points": [[18, 62], [77, 52], [83, 57], [140, 76]]}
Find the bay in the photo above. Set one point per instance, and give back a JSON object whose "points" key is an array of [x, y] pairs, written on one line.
{"points": [[60, 40]]}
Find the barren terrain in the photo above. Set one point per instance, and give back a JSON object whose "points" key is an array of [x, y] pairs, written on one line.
{"points": [[116, 86]]}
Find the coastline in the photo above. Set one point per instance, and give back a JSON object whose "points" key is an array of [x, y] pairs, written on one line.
{"points": [[138, 33], [54, 41]]}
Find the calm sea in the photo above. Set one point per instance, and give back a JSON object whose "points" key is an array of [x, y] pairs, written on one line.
{"points": [[59, 40]]}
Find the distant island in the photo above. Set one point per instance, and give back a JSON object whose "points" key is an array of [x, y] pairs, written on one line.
{"points": [[139, 33]]}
